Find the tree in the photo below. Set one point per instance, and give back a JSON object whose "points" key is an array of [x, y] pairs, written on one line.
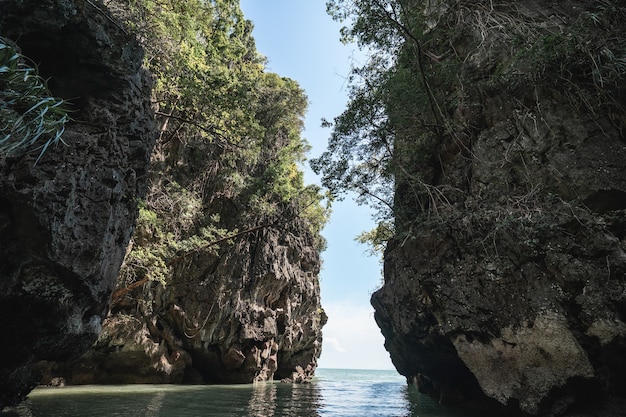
{"points": [[389, 97], [230, 140], [419, 98]]}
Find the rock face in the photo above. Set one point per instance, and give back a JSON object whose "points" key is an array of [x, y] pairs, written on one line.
{"points": [[513, 287], [245, 310], [65, 222], [251, 314]]}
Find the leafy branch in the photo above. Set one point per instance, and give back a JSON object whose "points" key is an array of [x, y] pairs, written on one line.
{"points": [[29, 115], [215, 134], [117, 294]]}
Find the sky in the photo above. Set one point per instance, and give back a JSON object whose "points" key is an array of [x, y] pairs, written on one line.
{"points": [[301, 42]]}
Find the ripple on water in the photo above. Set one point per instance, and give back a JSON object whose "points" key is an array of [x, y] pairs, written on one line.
{"points": [[336, 393]]}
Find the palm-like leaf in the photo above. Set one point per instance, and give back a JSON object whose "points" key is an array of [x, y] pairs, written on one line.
{"points": [[30, 118]]}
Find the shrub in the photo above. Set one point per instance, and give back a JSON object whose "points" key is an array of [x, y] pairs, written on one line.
{"points": [[29, 115]]}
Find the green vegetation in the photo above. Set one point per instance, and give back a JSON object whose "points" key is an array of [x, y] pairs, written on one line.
{"points": [[377, 238], [418, 100], [229, 148], [29, 115], [390, 99]]}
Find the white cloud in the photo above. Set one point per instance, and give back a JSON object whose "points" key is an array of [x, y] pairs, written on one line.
{"points": [[334, 343], [352, 340]]}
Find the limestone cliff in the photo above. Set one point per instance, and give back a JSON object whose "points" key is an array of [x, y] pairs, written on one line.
{"points": [[252, 313], [506, 278], [220, 281], [65, 222]]}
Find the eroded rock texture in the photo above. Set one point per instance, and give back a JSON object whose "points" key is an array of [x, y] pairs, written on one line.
{"points": [[245, 309], [512, 287], [251, 314], [65, 222]]}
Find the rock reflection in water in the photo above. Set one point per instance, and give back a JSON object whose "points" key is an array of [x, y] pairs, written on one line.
{"points": [[336, 393], [154, 406], [263, 400], [284, 400], [260, 400]]}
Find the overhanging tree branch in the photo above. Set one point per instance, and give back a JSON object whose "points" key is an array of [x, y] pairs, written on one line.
{"points": [[119, 293], [220, 138], [408, 34]]}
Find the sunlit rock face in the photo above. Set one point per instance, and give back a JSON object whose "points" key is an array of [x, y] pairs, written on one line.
{"points": [[251, 314], [512, 292], [247, 310], [66, 221]]}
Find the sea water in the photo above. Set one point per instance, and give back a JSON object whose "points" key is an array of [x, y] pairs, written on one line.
{"points": [[334, 392]]}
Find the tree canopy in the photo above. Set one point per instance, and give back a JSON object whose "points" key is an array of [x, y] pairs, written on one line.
{"points": [[388, 97], [230, 147], [430, 67]]}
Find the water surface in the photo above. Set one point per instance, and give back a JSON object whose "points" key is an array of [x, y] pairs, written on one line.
{"points": [[336, 393]]}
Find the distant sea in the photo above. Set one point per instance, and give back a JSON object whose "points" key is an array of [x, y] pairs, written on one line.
{"points": [[334, 392]]}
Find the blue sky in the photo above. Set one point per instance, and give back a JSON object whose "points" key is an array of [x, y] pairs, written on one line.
{"points": [[302, 42]]}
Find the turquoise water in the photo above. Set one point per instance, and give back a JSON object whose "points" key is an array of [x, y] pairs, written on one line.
{"points": [[336, 393]]}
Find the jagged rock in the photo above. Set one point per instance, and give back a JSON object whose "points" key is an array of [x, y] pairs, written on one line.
{"points": [[514, 288], [524, 300], [230, 313], [251, 314], [65, 222]]}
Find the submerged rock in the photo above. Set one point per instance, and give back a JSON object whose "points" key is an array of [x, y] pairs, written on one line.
{"points": [[65, 222]]}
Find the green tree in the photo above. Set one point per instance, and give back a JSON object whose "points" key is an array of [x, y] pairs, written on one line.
{"points": [[230, 136], [389, 97], [420, 95]]}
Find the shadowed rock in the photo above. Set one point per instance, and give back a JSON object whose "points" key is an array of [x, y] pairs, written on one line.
{"points": [[65, 222]]}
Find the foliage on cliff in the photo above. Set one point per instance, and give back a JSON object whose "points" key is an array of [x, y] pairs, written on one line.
{"points": [[29, 115], [227, 159], [493, 133], [432, 64]]}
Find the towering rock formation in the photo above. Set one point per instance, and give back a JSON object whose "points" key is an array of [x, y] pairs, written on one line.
{"points": [[246, 308], [508, 282], [251, 313], [65, 222]]}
